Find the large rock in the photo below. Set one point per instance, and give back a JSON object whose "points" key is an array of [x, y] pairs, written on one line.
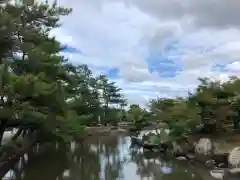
{"points": [[204, 147], [234, 157], [218, 174], [204, 150]]}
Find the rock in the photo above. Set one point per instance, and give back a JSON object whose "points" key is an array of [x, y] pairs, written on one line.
{"points": [[203, 150], [234, 157], [181, 158], [122, 130], [210, 163], [221, 165], [219, 160], [217, 174], [190, 156], [234, 170], [204, 147]]}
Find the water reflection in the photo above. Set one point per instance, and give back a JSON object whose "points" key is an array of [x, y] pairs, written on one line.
{"points": [[101, 158]]}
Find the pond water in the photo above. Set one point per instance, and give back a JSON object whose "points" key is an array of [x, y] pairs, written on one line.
{"points": [[100, 158]]}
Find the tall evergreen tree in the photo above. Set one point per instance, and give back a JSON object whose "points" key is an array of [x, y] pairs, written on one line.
{"points": [[40, 91]]}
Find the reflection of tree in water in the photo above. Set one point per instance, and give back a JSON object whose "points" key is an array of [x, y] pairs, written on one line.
{"points": [[110, 155], [95, 159], [149, 164], [51, 158], [94, 156], [36, 164], [90, 160], [84, 163], [146, 167]]}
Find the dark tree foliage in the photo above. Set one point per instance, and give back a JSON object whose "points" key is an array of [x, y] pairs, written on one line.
{"points": [[40, 91]]}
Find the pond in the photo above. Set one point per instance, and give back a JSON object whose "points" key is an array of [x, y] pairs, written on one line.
{"points": [[100, 158]]}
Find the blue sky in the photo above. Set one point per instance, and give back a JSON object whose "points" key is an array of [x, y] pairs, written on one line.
{"points": [[153, 48]]}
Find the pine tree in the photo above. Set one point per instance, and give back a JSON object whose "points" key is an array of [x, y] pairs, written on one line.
{"points": [[40, 91], [35, 87]]}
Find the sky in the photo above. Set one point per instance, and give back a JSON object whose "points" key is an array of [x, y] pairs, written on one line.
{"points": [[153, 48]]}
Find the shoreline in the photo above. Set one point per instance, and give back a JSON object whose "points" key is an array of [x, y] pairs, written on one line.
{"points": [[106, 130], [224, 142]]}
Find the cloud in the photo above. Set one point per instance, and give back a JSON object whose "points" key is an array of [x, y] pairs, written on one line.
{"points": [[156, 47], [200, 13], [234, 67]]}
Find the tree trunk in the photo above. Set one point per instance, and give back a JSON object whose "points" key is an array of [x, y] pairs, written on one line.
{"points": [[105, 114], [2, 129], [236, 121], [18, 133]]}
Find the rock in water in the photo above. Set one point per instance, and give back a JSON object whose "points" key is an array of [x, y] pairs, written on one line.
{"points": [[176, 148], [181, 158], [234, 171], [217, 174], [234, 157], [204, 147]]}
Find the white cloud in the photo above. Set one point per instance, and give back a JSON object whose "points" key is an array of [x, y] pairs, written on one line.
{"points": [[124, 33], [234, 67]]}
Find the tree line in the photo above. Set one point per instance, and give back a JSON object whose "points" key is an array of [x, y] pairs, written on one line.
{"points": [[40, 90], [213, 107]]}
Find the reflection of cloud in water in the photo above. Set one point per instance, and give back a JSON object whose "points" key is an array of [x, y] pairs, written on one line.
{"points": [[166, 170], [93, 148], [123, 154], [124, 148], [73, 146], [10, 175], [66, 173], [129, 171]]}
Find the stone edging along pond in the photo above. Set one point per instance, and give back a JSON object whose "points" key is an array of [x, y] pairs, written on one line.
{"points": [[220, 165]]}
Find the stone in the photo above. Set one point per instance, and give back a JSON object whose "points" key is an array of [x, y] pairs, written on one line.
{"points": [[217, 174], [182, 158], [204, 147], [234, 157], [234, 170]]}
